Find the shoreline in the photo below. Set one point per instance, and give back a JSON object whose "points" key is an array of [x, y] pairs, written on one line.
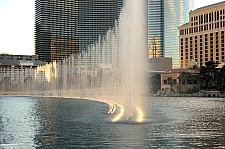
{"points": [[112, 105], [152, 95]]}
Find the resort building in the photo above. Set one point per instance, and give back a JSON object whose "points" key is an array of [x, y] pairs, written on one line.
{"points": [[202, 39], [64, 28], [164, 16]]}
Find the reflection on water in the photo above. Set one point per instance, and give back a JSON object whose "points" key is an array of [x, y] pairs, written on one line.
{"points": [[27, 122]]}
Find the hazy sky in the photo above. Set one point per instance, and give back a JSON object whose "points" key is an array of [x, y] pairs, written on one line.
{"points": [[17, 25]]}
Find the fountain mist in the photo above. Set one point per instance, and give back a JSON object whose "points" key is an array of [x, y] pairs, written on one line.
{"points": [[112, 69]]}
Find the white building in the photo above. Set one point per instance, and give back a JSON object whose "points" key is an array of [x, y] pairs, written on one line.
{"points": [[19, 68]]}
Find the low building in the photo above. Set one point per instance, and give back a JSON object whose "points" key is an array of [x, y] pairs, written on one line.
{"points": [[160, 64], [180, 80]]}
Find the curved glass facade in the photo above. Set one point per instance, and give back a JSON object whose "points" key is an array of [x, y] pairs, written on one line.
{"points": [[164, 16], [68, 27], [156, 23], [176, 14]]}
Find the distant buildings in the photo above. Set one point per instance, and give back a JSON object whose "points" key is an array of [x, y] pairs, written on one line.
{"points": [[202, 39], [157, 64], [67, 28], [19, 68], [164, 16], [64, 28], [20, 60], [154, 48]]}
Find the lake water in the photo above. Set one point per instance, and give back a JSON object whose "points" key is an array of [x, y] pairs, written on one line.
{"points": [[29, 122]]}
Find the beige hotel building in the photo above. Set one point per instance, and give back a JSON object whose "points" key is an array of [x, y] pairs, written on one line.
{"points": [[202, 39]]}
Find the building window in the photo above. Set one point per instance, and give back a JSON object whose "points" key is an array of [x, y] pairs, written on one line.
{"points": [[212, 16], [182, 32], [209, 17], [165, 81], [218, 15]]}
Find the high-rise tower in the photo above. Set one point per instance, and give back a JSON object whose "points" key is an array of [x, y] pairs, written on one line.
{"points": [[68, 27]]}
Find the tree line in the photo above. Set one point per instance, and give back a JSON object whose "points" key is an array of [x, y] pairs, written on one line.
{"points": [[212, 77]]}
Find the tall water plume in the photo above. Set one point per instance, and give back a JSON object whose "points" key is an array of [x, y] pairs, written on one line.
{"points": [[132, 52]]}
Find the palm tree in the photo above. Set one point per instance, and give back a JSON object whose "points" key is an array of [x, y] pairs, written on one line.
{"points": [[207, 74], [197, 80], [220, 79], [184, 80], [155, 83], [172, 83]]}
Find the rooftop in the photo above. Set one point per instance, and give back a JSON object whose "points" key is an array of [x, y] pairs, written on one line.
{"points": [[6, 54], [185, 24], [180, 70]]}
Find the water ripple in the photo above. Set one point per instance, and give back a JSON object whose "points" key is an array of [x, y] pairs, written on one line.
{"points": [[70, 123]]}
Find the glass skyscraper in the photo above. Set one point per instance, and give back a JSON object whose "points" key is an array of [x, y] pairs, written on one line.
{"points": [[176, 14], [68, 27], [164, 18]]}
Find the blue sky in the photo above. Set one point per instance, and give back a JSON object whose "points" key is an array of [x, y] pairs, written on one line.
{"points": [[17, 25]]}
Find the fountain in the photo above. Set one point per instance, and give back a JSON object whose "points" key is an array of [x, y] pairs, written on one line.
{"points": [[112, 69]]}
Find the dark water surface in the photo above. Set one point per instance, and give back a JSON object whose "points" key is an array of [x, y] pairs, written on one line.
{"points": [[28, 122]]}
